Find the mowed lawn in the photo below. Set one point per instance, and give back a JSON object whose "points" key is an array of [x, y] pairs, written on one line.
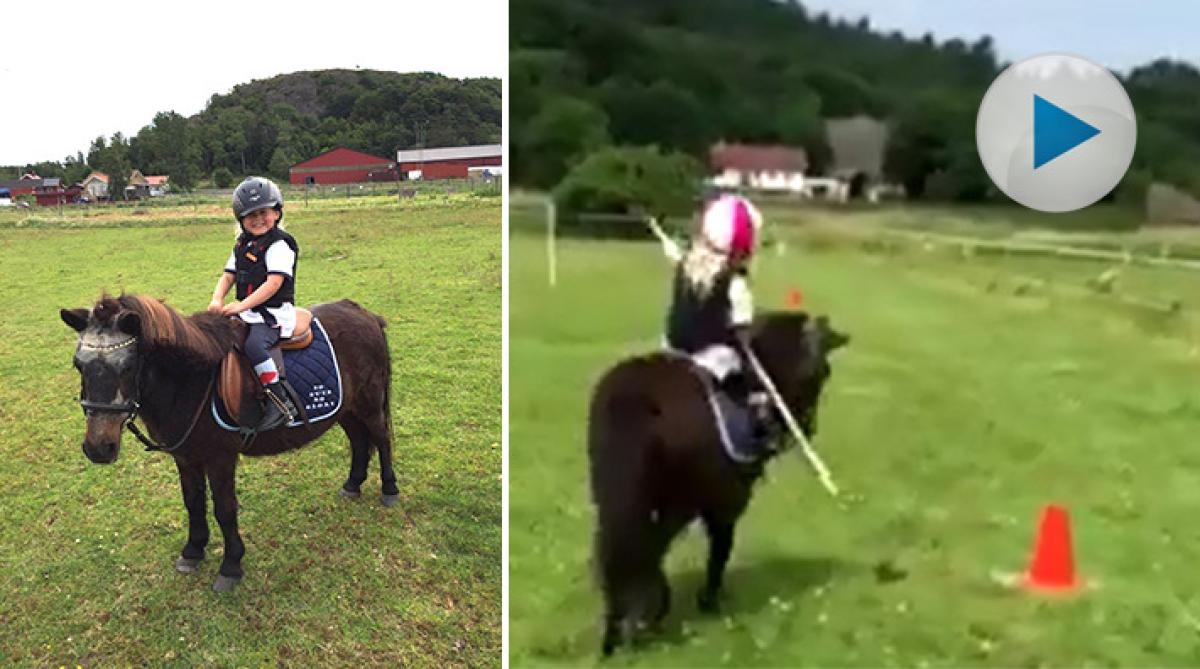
{"points": [[975, 391], [86, 551]]}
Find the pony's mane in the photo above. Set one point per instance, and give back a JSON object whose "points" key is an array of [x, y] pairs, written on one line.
{"points": [[780, 335], [789, 321], [201, 340]]}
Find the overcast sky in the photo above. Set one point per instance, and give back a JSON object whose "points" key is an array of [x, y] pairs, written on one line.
{"points": [[76, 70], [1119, 34]]}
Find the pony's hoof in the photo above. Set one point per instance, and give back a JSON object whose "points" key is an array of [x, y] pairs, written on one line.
{"points": [[390, 500], [349, 494], [225, 583], [185, 565]]}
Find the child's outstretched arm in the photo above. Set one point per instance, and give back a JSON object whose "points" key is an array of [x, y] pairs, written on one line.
{"points": [[671, 250], [670, 247]]}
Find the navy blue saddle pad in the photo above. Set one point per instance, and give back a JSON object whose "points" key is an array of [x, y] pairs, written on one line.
{"points": [[734, 422], [313, 372], [736, 427]]}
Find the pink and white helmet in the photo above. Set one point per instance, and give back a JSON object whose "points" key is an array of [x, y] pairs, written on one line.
{"points": [[731, 225]]}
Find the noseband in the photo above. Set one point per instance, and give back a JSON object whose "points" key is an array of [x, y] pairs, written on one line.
{"points": [[130, 408]]}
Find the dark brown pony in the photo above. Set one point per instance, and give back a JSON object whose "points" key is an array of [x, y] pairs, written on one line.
{"points": [[137, 356], [657, 464]]}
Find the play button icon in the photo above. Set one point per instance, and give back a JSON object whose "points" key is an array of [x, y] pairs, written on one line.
{"points": [[1056, 132]]}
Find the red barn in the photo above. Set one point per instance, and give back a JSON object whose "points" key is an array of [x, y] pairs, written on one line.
{"points": [[450, 163], [53, 198], [340, 166], [26, 185]]}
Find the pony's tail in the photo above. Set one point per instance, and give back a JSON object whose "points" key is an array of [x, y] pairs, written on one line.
{"points": [[621, 449], [387, 378]]}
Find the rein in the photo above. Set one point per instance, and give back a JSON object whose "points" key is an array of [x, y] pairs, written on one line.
{"points": [[133, 406]]}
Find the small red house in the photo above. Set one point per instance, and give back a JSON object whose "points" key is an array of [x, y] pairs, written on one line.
{"points": [[340, 166], [26, 185], [759, 167], [51, 193]]}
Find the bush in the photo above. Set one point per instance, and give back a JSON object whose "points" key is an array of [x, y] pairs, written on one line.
{"points": [[222, 177], [628, 180], [1133, 187]]}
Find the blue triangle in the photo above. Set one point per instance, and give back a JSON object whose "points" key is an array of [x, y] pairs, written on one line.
{"points": [[1056, 131]]}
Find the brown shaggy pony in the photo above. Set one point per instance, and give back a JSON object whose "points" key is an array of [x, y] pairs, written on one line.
{"points": [[138, 357], [657, 464]]}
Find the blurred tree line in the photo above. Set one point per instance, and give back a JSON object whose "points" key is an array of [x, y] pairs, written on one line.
{"points": [[589, 75], [264, 127]]}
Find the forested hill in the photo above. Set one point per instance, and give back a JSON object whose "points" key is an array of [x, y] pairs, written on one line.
{"points": [[267, 125], [683, 74]]}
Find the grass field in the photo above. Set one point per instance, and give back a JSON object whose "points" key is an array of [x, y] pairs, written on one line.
{"points": [[86, 551], [976, 390]]}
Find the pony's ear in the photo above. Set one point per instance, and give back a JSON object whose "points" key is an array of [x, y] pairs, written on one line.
{"points": [[130, 323], [76, 318], [830, 339]]}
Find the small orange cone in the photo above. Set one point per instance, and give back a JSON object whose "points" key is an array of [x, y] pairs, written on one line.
{"points": [[1052, 567], [794, 297]]}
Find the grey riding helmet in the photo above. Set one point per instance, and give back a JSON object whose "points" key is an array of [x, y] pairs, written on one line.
{"points": [[256, 193]]}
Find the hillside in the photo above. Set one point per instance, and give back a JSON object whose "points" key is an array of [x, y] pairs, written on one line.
{"points": [[684, 74], [264, 126]]}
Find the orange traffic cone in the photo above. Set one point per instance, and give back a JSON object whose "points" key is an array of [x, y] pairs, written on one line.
{"points": [[1052, 567], [794, 297]]}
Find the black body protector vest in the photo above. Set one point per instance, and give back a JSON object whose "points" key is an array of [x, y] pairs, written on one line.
{"points": [[250, 258], [696, 322]]}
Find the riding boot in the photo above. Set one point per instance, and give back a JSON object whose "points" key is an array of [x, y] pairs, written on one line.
{"points": [[760, 406], [757, 405], [278, 408], [736, 387]]}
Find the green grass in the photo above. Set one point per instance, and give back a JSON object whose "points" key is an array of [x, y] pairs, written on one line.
{"points": [[211, 210], [86, 551], [975, 391]]}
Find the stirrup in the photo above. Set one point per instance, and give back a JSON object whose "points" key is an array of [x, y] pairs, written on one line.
{"points": [[286, 414], [299, 413]]}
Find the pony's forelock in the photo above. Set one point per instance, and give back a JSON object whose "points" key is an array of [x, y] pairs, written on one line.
{"points": [[193, 340]]}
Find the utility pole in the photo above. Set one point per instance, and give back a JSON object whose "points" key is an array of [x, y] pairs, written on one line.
{"points": [[421, 148], [397, 164]]}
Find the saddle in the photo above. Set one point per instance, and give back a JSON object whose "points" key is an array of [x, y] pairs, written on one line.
{"points": [[236, 383], [745, 432]]}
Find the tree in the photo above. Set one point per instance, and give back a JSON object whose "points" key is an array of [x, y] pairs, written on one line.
{"points": [[281, 162], [168, 146], [799, 123], [933, 134], [535, 75], [843, 93], [112, 158], [562, 134], [630, 180], [660, 113], [222, 177], [75, 169]]}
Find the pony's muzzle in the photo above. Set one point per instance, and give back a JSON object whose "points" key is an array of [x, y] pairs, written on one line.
{"points": [[102, 442], [103, 453]]}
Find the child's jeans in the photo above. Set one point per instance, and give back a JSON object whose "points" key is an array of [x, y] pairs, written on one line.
{"points": [[259, 342]]}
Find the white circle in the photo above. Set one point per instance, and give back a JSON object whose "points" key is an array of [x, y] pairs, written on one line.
{"points": [[1077, 176]]}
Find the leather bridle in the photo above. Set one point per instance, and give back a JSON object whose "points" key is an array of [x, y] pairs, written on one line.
{"points": [[131, 407]]}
